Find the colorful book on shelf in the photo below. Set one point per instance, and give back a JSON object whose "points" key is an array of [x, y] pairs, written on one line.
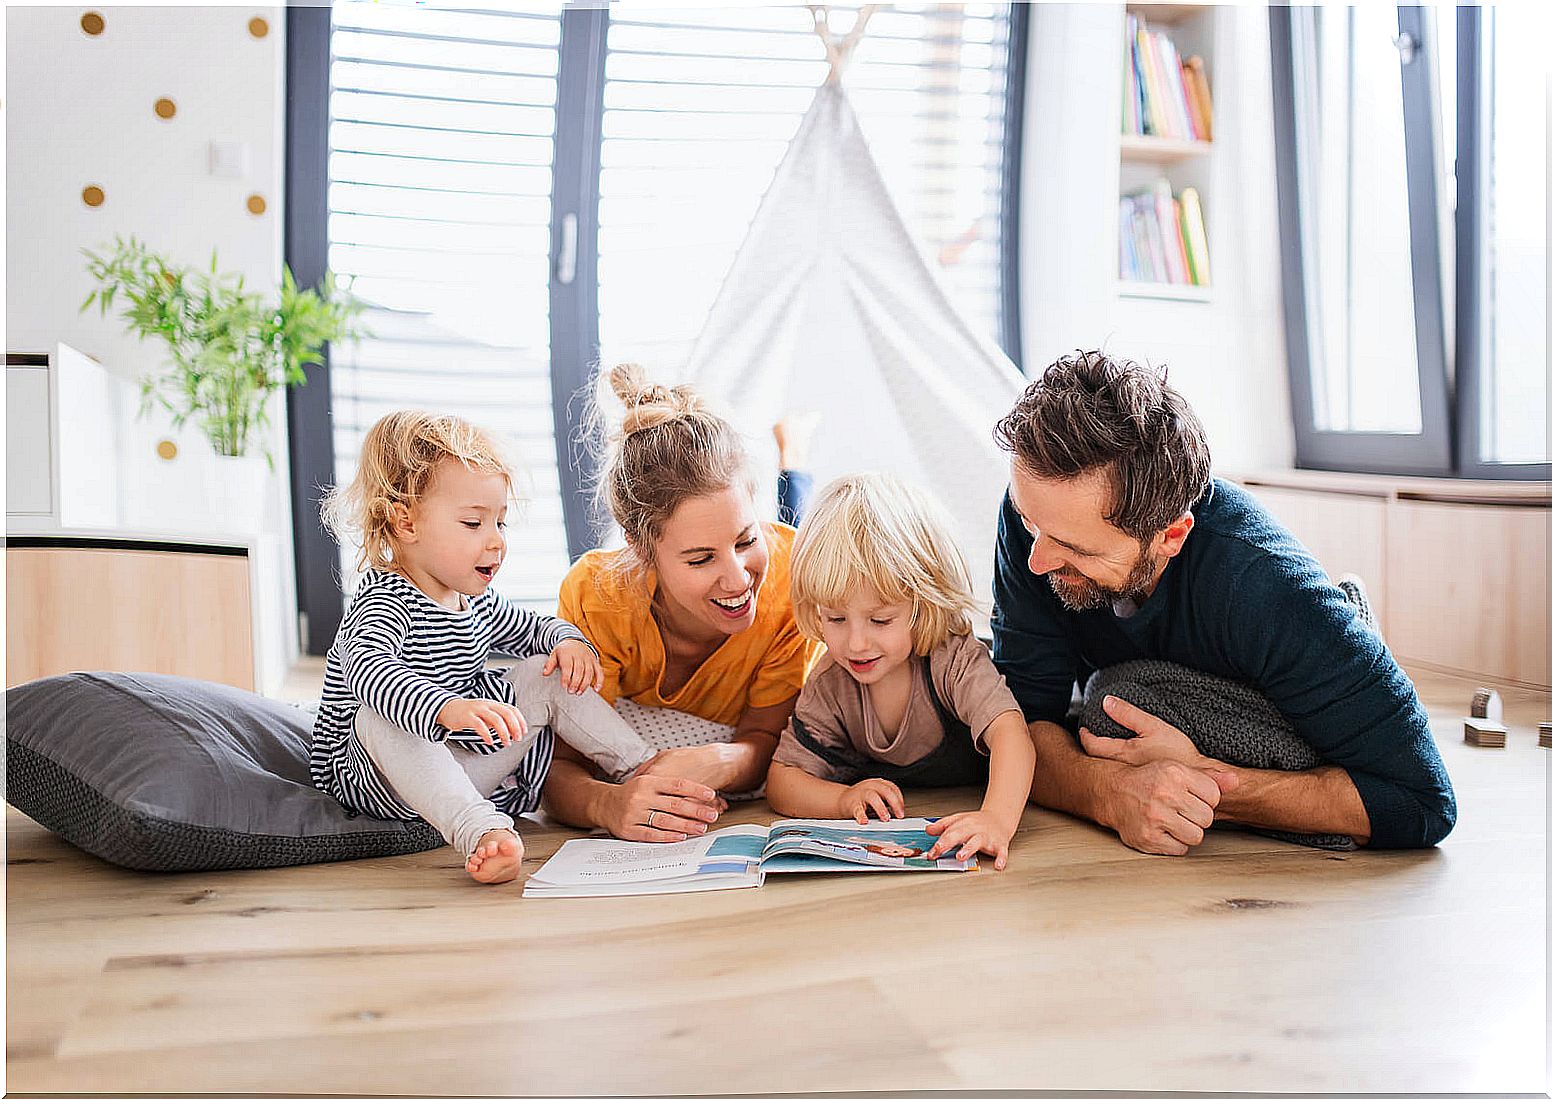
{"points": [[1194, 229], [1152, 120], [736, 858], [1169, 233], [1163, 95], [1131, 95], [1174, 88], [1196, 80], [1162, 238]]}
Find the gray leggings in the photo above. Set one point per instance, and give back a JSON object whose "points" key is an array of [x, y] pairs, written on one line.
{"points": [[451, 787]]}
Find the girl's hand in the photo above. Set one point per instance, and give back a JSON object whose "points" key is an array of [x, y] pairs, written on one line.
{"points": [[657, 809], [972, 833], [578, 664], [877, 794], [485, 718]]}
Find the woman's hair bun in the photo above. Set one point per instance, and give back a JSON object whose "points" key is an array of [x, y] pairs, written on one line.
{"points": [[648, 404]]}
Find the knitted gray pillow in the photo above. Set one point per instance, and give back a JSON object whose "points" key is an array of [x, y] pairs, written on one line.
{"points": [[1224, 719], [159, 772]]}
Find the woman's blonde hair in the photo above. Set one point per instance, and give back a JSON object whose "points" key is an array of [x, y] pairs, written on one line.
{"points": [[874, 529], [668, 448], [399, 459]]}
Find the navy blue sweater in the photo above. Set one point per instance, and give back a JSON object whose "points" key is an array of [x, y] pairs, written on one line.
{"points": [[1246, 601]]}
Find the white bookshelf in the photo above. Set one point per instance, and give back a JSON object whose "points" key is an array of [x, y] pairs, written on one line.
{"points": [[1146, 158]]}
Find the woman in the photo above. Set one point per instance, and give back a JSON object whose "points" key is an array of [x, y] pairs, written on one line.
{"points": [[692, 614]]}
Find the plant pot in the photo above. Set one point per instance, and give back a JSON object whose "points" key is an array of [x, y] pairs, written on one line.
{"points": [[236, 493]]}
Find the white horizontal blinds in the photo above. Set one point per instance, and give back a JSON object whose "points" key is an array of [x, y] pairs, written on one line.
{"points": [[699, 106], [441, 142]]}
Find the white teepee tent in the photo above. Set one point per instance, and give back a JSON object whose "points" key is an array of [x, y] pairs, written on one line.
{"points": [[830, 305]]}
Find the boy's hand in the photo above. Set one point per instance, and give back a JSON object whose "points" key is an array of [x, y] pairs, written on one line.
{"points": [[877, 794], [491, 720], [972, 833], [578, 664]]}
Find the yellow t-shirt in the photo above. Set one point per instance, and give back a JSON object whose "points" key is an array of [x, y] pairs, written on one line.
{"points": [[761, 666]]}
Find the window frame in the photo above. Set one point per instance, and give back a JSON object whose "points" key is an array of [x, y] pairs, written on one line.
{"points": [[574, 323], [1473, 162], [1427, 452]]}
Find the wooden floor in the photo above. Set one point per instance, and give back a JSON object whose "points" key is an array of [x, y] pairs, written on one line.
{"points": [[1247, 965]]}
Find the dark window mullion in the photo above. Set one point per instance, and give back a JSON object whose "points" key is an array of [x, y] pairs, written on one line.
{"points": [[574, 252], [1012, 172], [309, 419]]}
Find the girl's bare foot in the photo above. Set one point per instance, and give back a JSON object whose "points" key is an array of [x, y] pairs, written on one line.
{"points": [[793, 434], [497, 857]]}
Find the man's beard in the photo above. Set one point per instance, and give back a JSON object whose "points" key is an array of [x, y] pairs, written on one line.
{"points": [[1077, 592]]}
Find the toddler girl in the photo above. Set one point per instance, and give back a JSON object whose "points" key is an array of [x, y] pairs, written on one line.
{"points": [[412, 722], [906, 695]]}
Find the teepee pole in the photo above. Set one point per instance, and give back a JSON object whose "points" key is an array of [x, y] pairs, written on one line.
{"points": [[839, 53]]}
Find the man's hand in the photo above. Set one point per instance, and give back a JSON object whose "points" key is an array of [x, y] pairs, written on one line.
{"points": [[1156, 738], [1164, 807]]}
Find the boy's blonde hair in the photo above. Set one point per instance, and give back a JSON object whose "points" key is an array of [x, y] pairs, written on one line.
{"points": [[874, 529], [399, 458], [669, 448]]}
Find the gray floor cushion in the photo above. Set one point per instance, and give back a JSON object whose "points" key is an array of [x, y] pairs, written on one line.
{"points": [[1225, 720], [159, 772]]}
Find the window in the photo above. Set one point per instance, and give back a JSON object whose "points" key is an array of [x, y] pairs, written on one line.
{"points": [[699, 107], [1411, 165], [440, 150], [517, 193], [1362, 282], [1503, 232]]}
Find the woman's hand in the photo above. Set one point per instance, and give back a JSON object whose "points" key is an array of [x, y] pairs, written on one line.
{"points": [[878, 794], [485, 718], [578, 664], [714, 765], [972, 833], [657, 808]]}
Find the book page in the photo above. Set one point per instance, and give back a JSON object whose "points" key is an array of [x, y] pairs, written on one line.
{"points": [[588, 861], [877, 845]]}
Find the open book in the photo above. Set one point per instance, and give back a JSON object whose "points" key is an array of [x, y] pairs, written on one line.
{"points": [[735, 858]]}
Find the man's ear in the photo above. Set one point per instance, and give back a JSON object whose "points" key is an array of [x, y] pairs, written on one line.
{"points": [[401, 524], [1172, 538]]}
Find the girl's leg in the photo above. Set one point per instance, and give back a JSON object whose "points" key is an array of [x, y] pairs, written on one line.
{"points": [[584, 721], [794, 488], [446, 787], [794, 484]]}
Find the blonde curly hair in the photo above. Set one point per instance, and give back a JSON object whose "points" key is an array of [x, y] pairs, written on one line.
{"points": [[874, 529], [399, 460]]}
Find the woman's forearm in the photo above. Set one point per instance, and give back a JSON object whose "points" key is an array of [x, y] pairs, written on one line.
{"points": [[571, 795]]}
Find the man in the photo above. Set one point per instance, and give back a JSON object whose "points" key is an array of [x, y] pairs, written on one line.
{"points": [[1115, 543]]}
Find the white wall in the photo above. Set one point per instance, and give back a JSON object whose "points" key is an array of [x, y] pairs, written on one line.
{"points": [[1225, 355], [79, 111]]}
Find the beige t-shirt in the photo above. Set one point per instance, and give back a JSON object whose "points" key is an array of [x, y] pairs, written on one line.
{"points": [[838, 712]]}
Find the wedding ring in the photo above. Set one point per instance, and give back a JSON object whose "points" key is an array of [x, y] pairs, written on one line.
{"points": [[651, 816]]}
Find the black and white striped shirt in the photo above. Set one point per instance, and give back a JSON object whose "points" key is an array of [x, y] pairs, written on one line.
{"points": [[406, 656]]}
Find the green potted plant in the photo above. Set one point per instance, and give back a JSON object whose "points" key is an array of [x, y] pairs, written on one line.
{"points": [[229, 348]]}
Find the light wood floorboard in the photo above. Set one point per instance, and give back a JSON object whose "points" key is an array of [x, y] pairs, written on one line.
{"points": [[1248, 965]]}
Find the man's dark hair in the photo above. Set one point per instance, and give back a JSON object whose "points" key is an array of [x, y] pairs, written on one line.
{"points": [[1090, 411]]}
